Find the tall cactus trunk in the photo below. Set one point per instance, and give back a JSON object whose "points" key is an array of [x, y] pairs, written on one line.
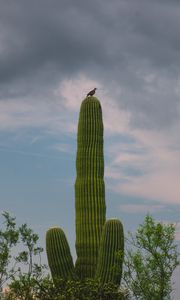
{"points": [[89, 187]]}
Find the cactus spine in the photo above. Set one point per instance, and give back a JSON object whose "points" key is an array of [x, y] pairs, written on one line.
{"points": [[97, 240], [89, 187]]}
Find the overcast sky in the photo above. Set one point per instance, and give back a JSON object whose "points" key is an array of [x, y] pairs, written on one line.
{"points": [[51, 54]]}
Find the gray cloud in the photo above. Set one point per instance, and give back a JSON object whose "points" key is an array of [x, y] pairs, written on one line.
{"points": [[132, 45]]}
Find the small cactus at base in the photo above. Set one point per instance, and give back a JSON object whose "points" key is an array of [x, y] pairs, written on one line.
{"points": [[58, 254]]}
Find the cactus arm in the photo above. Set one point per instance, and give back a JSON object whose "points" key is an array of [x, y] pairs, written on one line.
{"points": [[58, 254], [109, 268]]}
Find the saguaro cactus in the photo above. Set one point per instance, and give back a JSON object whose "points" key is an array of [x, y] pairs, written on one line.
{"points": [[97, 241]]}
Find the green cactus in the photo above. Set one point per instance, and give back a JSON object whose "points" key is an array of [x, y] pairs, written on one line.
{"points": [[58, 254], [97, 241], [89, 187], [109, 268]]}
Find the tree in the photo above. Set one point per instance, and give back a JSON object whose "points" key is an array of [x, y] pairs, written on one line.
{"points": [[23, 272], [149, 264], [30, 277], [9, 236]]}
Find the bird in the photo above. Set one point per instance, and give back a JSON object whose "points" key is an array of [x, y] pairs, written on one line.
{"points": [[91, 93]]}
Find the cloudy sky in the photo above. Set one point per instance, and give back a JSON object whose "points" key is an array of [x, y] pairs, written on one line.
{"points": [[51, 54]]}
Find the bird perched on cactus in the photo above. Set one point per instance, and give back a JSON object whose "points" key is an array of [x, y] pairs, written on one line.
{"points": [[97, 241], [91, 93]]}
